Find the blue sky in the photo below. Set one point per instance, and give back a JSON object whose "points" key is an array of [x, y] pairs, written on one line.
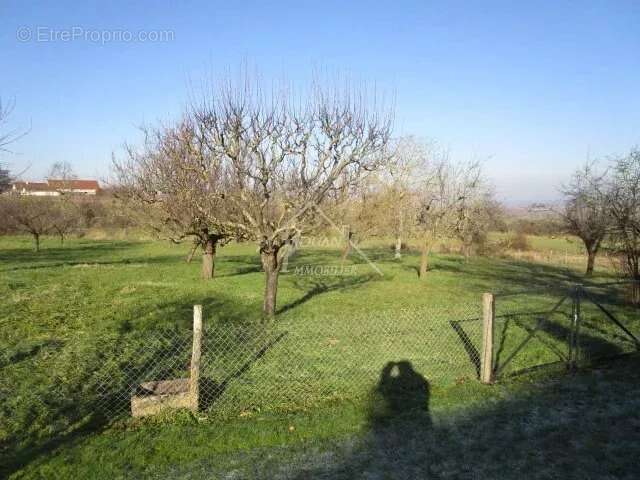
{"points": [[533, 88]]}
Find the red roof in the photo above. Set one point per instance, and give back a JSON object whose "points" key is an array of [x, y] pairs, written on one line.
{"points": [[74, 184]]}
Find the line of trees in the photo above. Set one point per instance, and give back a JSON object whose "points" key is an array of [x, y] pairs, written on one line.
{"points": [[244, 165], [421, 193], [39, 216], [61, 215]]}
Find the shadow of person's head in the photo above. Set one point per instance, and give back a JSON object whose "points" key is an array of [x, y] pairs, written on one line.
{"points": [[401, 393]]}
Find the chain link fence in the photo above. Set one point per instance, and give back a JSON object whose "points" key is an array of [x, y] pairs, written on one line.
{"points": [[608, 321], [294, 364], [290, 364]]}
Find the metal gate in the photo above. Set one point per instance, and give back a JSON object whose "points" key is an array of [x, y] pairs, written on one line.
{"points": [[568, 327]]}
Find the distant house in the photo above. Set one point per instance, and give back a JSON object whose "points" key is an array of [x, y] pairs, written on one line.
{"points": [[539, 207], [55, 188], [82, 187], [39, 189]]}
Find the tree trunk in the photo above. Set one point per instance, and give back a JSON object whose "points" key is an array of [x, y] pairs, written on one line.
{"points": [[61, 239], [591, 260], [287, 250], [424, 260], [208, 258], [635, 293], [272, 270], [635, 281], [398, 253], [36, 242], [347, 247], [466, 250]]}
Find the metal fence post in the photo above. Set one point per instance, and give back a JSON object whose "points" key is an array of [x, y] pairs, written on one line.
{"points": [[577, 318], [488, 316], [194, 378], [571, 331], [575, 329]]}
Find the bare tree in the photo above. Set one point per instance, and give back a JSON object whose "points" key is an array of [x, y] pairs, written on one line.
{"points": [[281, 158], [477, 209], [356, 211], [8, 136], [443, 201], [586, 211], [5, 178], [408, 157], [65, 217], [64, 172], [31, 215], [623, 199], [175, 185]]}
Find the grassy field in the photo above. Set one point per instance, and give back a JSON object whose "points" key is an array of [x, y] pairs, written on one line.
{"points": [[309, 407]]}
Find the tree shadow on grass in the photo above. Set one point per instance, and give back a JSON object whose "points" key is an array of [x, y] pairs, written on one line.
{"points": [[470, 348], [23, 353], [212, 390], [89, 249], [217, 310], [552, 331], [90, 388], [12, 460], [317, 285], [588, 343], [92, 254], [509, 275], [240, 271], [239, 264], [142, 260]]}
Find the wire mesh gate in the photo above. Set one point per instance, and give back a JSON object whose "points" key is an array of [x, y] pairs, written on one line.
{"points": [[569, 327]]}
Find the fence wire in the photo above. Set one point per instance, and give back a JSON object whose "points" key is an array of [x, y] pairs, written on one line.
{"points": [[286, 365], [609, 323], [294, 364], [571, 326]]}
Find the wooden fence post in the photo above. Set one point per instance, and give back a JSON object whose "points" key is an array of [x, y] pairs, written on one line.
{"points": [[488, 315], [194, 378]]}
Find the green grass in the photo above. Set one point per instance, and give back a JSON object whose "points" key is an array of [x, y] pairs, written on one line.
{"points": [[73, 311], [560, 243]]}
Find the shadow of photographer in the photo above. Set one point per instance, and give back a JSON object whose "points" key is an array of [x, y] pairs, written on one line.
{"points": [[398, 416], [400, 393]]}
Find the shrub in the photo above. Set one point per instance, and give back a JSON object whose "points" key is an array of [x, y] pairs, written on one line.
{"points": [[444, 248], [519, 241], [403, 246]]}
